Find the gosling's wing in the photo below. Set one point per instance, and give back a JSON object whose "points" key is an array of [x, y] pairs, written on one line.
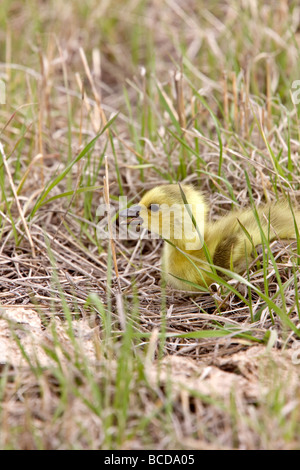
{"points": [[232, 238]]}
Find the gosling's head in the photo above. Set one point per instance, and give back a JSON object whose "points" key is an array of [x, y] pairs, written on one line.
{"points": [[163, 211]]}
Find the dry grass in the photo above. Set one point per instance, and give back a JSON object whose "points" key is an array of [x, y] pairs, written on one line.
{"points": [[95, 351]]}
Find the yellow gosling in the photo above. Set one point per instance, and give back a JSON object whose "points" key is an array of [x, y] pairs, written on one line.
{"points": [[162, 211]]}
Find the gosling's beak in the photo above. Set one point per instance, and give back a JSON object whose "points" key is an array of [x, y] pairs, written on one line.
{"points": [[132, 214]]}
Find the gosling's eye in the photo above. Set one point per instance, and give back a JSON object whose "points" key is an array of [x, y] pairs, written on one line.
{"points": [[154, 207]]}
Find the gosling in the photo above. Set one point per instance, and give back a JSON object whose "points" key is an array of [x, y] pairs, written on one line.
{"points": [[192, 241]]}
